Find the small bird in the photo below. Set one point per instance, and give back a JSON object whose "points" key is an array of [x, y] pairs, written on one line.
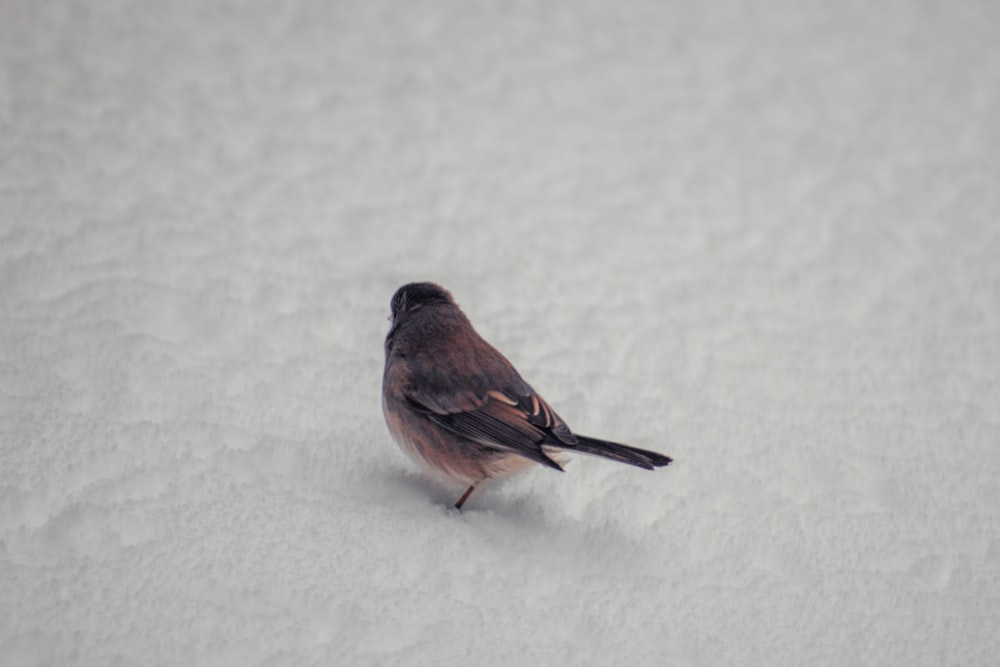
{"points": [[460, 409]]}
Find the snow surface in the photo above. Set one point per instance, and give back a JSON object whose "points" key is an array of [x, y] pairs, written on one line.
{"points": [[761, 237]]}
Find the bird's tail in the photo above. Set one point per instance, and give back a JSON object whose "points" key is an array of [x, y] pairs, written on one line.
{"points": [[642, 458]]}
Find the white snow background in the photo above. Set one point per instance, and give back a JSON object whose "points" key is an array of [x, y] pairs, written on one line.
{"points": [[761, 237]]}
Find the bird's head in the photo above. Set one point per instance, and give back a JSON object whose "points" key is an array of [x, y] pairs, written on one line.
{"points": [[414, 296]]}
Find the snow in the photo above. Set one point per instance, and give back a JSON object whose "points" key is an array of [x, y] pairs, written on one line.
{"points": [[759, 237]]}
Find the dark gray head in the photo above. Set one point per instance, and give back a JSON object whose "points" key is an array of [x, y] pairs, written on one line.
{"points": [[409, 298], [412, 298]]}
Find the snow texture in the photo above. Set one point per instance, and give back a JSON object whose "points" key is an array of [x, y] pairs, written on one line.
{"points": [[761, 237]]}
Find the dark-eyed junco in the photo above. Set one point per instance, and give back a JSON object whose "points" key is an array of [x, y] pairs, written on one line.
{"points": [[459, 408]]}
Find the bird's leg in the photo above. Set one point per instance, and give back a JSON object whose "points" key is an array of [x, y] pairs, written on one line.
{"points": [[465, 496]]}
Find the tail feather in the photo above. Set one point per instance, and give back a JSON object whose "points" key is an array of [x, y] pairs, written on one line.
{"points": [[642, 458]]}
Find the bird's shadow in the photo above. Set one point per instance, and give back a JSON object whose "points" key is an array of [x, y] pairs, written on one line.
{"points": [[401, 487], [525, 509], [398, 486]]}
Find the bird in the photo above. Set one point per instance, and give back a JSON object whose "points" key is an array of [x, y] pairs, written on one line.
{"points": [[461, 410]]}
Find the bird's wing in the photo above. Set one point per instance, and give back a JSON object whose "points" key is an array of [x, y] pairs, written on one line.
{"points": [[516, 420]]}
